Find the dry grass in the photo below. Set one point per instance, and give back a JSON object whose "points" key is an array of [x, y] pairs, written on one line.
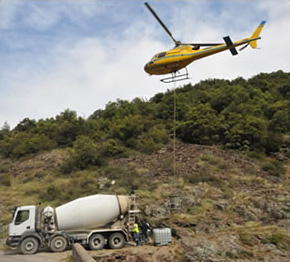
{"points": [[251, 232]]}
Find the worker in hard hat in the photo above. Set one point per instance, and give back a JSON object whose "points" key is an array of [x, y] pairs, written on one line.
{"points": [[137, 234]]}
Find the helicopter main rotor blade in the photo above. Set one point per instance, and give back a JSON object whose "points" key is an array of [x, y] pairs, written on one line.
{"points": [[202, 44], [161, 23]]}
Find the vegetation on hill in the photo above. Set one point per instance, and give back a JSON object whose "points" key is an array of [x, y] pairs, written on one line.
{"points": [[248, 115]]}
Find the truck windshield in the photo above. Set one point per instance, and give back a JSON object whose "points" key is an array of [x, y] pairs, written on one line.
{"points": [[21, 216]]}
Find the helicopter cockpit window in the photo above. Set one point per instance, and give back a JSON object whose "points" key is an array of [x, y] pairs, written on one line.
{"points": [[152, 60], [161, 54]]}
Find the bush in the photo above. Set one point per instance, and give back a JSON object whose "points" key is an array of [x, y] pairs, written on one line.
{"points": [[19, 144], [153, 140], [126, 177], [231, 255], [255, 155], [247, 239], [281, 240], [5, 180], [52, 193], [68, 166], [203, 126], [113, 147], [274, 168], [197, 177], [85, 153]]}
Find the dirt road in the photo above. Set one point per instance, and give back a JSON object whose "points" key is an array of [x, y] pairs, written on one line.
{"points": [[14, 256]]}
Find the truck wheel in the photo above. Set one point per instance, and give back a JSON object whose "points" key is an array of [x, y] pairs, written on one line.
{"points": [[97, 242], [58, 244], [116, 240], [29, 246]]}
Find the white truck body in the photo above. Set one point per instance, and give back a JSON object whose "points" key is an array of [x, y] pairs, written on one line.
{"points": [[89, 212], [93, 220]]}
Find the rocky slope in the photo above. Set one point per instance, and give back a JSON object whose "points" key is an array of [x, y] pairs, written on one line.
{"points": [[231, 208]]}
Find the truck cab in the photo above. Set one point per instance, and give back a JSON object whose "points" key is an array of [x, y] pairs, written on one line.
{"points": [[23, 223]]}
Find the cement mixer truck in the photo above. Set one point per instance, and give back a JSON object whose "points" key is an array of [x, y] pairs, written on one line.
{"points": [[92, 221]]}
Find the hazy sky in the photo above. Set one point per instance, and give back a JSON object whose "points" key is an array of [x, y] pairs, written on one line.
{"points": [[82, 54]]}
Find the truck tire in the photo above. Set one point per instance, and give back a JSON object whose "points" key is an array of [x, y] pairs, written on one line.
{"points": [[29, 245], [97, 242], [116, 240], [58, 244]]}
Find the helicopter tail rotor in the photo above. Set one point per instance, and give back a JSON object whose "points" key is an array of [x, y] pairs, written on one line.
{"points": [[230, 44]]}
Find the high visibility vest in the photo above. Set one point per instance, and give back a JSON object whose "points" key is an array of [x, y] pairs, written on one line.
{"points": [[136, 228]]}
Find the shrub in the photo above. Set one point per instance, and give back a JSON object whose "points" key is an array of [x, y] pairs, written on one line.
{"points": [[255, 155], [231, 255], [278, 239], [247, 239], [126, 177], [274, 168], [197, 177], [19, 144], [41, 174], [212, 160], [52, 193], [113, 147], [245, 254], [5, 180], [85, 153], [203, 126]]}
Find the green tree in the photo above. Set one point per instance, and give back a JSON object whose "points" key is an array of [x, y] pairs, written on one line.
{"points": [[245, 132], [68, 127], [203, 126], [4, 130], [280, 122], [19, 144], [26, 125], [153, 140], [128, 128], [113, 147], [85, 153]]}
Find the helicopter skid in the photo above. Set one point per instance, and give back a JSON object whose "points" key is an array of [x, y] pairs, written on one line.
{"points": [[175, 78]]}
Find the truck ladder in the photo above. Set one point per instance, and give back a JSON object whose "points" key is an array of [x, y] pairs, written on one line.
{"points": [[132, 219]]}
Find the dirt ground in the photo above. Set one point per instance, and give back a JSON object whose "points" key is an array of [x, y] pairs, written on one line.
{"points": [[147, 253], [15, 256]]}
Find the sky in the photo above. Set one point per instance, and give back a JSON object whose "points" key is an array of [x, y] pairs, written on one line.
{"points": [[81, 55]]}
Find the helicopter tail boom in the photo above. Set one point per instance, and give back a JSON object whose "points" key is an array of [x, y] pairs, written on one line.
{"points": [[256, 34]]}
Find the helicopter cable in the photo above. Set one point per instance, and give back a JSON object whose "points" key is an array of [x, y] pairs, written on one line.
{"points": [[174, 125]]}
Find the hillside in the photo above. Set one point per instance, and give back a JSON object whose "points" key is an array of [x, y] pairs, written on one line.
{"points": [[231, 207], [232, 153]]}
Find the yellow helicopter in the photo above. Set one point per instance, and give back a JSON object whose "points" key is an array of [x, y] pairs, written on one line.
{"points": [[183, 54]]}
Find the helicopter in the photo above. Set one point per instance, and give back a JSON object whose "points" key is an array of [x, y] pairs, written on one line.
{"points": [[171, 61]]}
